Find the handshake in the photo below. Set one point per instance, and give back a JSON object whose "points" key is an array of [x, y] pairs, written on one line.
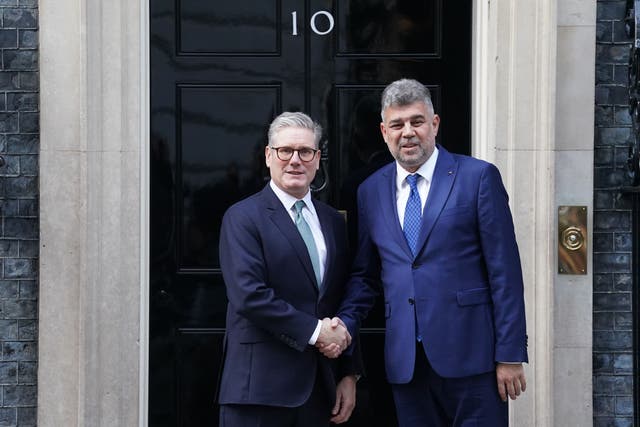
{"points": [[334, 337]]}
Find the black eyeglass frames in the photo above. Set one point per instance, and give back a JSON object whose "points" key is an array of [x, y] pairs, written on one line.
{"points": [[306, 154]]}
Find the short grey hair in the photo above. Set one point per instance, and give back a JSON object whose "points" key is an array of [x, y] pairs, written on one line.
{"points": [[404, 92], [296, 120]]}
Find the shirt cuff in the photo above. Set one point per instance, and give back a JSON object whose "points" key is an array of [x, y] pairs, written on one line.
{"points": [[316, 334]]}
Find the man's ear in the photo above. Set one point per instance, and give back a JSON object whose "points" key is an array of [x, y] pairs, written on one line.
{"points": [[267, 156], [435, 123]]}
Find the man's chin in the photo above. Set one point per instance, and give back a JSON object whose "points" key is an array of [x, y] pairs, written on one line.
{"points": [[411, 162], [297, 188]]}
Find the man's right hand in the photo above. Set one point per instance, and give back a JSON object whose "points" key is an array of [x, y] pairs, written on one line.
{"points": [[334, 337]]}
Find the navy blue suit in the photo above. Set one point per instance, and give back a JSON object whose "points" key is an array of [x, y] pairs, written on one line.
{"points": [[463, 290], [275, 304]]}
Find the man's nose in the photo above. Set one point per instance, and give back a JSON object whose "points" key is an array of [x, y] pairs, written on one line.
{"points": [[407, 130], [295, 157]]}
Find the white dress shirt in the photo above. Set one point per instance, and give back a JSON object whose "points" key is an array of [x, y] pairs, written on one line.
{"points": [[311, 216], [402, 186]]}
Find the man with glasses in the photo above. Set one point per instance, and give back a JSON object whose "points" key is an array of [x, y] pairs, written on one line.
{"points": [[284, 260]]}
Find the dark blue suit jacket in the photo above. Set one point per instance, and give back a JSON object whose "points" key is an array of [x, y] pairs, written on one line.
{"points": [[465, 284], [275, 304]]}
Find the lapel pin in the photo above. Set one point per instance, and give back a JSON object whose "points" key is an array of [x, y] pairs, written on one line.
{"points": [[450, 172]]}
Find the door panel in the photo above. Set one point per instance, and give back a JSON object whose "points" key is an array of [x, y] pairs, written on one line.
{"points": [[371, 27], [220, 72], [220, 160], [228, 28], [197, 348]]}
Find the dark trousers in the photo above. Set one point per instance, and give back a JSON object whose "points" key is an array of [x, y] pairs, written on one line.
{"points": [[430, 400], [315, 412]]}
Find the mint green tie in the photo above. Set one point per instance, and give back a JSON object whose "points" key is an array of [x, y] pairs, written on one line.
{"points": [[307, 236]]}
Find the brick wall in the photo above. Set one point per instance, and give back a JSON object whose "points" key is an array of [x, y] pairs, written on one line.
{"points": [[612, 317], [19, 142]]}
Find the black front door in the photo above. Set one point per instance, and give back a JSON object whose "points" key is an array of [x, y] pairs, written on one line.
{"points": [[220, 72]]}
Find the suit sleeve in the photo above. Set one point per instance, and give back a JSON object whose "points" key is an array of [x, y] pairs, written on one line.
{"points": [[243, 268], [502, 260], [351, 363], [364, 283]]}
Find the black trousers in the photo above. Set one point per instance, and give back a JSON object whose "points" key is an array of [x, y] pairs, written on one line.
{"points": [[315, 412], [430, 400]]}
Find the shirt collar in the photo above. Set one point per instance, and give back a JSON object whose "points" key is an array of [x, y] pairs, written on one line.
{"points": [[288, 200], [425, 170]]}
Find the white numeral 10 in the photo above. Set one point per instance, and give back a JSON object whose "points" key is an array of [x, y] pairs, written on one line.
{"points": [[312, 22]]}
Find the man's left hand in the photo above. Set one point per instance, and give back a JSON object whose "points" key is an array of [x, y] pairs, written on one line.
{"points": [[345, 400], [511, 380]]}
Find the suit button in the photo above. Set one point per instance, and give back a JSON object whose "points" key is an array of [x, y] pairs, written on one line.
{"points": [[414, 266], [411, 301]]}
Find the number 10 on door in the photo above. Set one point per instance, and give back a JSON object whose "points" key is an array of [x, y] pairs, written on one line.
{"points": [[313, 22]]}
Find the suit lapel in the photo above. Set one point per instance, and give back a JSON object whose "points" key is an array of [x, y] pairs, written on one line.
{"points": [[389, 207], [443, 178], [280, 217]]}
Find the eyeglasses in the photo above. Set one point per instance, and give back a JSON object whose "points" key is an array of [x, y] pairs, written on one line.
{"points": [[306, 154]]}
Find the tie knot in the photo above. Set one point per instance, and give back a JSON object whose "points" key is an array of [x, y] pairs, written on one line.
{"points": [[298, 206], [413, 180]]}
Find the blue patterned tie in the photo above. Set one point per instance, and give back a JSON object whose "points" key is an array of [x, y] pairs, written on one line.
{"points": [[307, 236], [412, 214]]}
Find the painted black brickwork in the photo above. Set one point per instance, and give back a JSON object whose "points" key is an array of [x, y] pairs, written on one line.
{"points": [[19, 144], [612, 315]]}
